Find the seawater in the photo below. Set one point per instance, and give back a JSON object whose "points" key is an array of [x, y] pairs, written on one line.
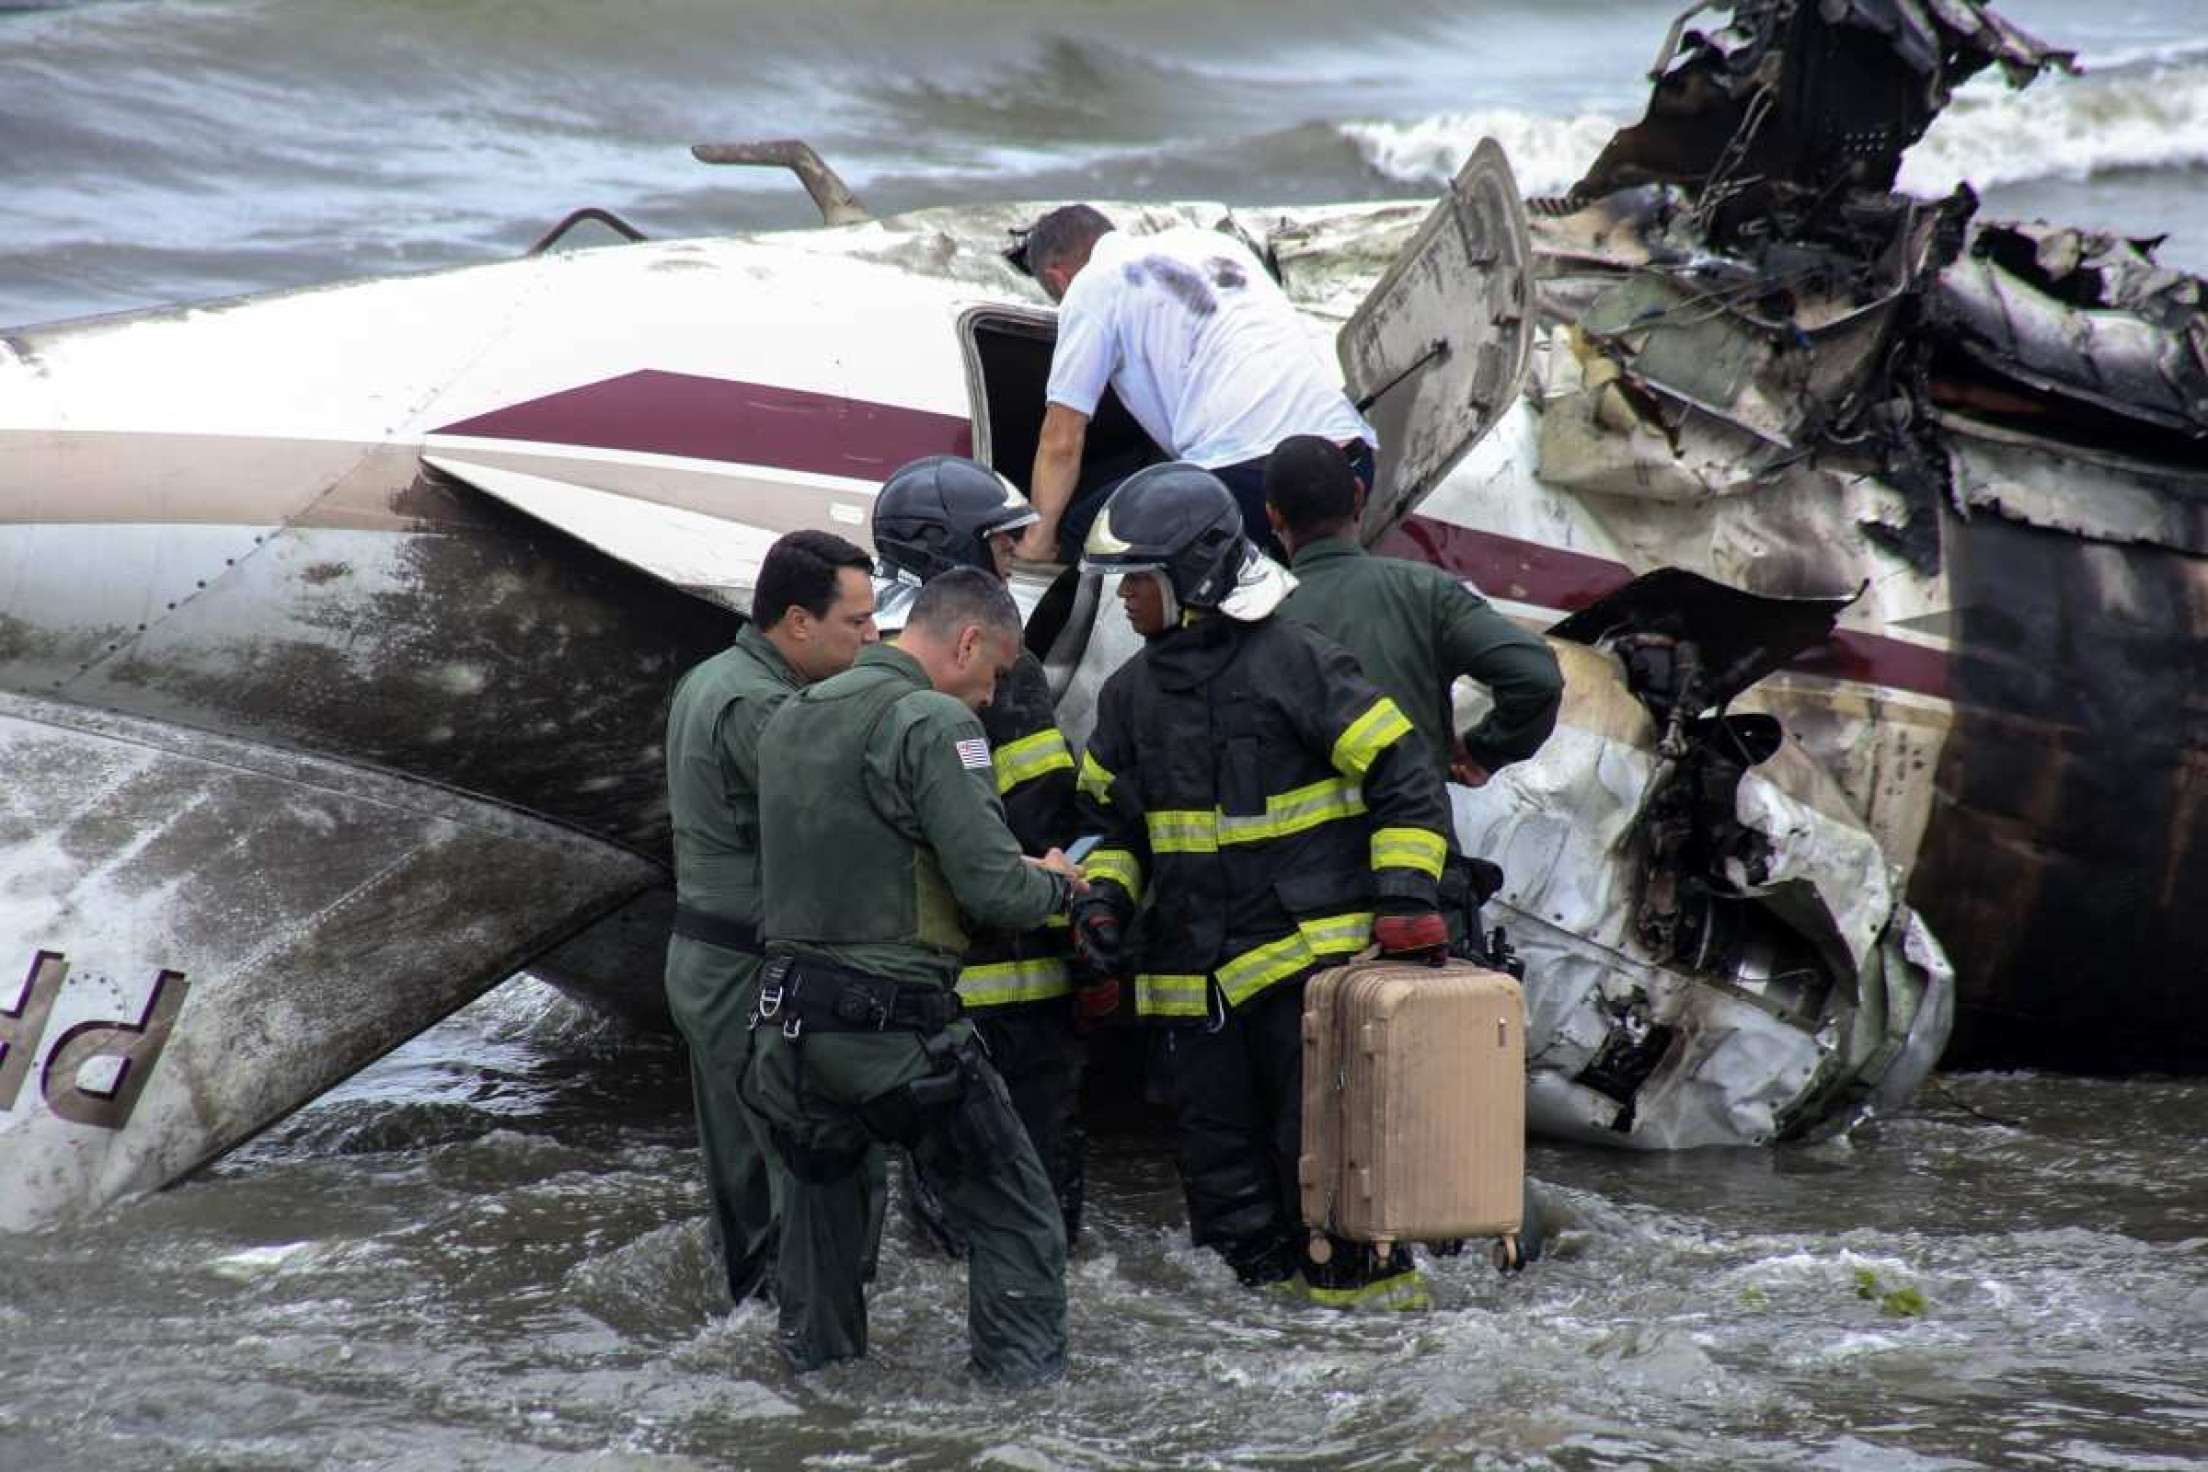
{"points": [[489, 1252], [165, 150]]}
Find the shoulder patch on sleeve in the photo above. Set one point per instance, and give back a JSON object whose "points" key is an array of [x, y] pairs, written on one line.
{"points": [[973, 752]]}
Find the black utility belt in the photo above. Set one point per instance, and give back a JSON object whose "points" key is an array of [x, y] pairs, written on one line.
{"points": [[716, 930], [804, 995]]}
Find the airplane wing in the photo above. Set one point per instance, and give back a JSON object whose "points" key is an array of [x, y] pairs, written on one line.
{"points": [[211, 931], [1439, 348]]}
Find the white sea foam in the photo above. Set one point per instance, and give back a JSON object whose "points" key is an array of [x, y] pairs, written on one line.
{"points": [[1547, 154], [2143, 117], [2140, 116]]}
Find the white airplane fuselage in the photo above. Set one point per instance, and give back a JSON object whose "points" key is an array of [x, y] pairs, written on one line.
{"points": [[336, 628]]}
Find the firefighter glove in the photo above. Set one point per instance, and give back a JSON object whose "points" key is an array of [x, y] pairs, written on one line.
{"points": [[1424, 934], [1098, 935]]}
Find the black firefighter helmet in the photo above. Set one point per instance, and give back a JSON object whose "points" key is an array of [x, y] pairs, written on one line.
{"points": [[939, 513], [1181, 521]]}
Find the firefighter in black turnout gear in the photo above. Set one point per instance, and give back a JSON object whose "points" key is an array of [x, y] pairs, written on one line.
{"points": [[931, 516], [1266, 812]]}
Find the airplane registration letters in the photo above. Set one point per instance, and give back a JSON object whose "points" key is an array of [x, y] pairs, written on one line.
{"points": [[135, 1046], [22, 1025]]}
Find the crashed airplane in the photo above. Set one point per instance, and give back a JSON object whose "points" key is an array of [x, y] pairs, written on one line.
{"points": [[336, 625]]}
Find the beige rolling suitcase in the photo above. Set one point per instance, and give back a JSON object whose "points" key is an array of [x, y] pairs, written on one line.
{"points": [[1414, 1103]]}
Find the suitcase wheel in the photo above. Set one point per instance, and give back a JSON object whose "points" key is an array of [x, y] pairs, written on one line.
{"points": [[1507, 1256]]}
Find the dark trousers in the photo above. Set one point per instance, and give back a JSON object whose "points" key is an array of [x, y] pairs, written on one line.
{"points": [[710, 990], [1246, 480], [1034, 1049], [1237, 1097], [818, 1094]]}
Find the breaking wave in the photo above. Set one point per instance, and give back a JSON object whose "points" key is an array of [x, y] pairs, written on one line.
{"points": [[1547, 154], [2150, 112], [2144, 116]]}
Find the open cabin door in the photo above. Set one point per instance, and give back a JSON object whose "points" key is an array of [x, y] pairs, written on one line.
{"points": [[1439, 347]]}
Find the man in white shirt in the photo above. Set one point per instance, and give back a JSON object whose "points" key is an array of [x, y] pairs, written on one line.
{"points": [[1202, 346]]}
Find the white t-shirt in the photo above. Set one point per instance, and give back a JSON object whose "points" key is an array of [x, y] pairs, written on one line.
{"points": [[1203, 346]]}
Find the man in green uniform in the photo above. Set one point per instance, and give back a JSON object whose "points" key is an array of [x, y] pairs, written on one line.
{"points": [[935, 514], [1413, 628], [813, 611], [885, 845]]}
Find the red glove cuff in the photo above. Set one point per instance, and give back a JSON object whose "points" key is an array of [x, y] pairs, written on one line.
{"points": [[1402, 935]]}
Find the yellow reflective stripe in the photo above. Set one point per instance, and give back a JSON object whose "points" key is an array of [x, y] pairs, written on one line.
{"points": [[1258, 968], [1311, 942], [1409, 848], [1183, 831], [997, 983], [1172, 996], [1117, 865], [1369, 735], [1030, 757], [1195, 831], [1295, 811], [1261, 966], [1094, 779], [1338, 935]]}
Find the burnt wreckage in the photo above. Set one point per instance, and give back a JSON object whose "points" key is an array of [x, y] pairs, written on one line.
{"points": [[1742, 299]]}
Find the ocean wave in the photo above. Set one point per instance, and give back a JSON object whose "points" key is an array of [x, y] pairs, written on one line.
{"points": [[2152, 114], [2138, 117], [1547, 154]]}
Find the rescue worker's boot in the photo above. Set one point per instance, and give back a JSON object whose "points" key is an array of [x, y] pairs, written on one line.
{"points": [[1356, 1276], [1264, 1261]]}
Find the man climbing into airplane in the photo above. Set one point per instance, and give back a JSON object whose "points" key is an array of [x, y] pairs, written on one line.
{"points": [[1203, 348]]}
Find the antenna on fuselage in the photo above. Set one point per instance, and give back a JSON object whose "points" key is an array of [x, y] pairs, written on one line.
{"points": [[838, 205]]}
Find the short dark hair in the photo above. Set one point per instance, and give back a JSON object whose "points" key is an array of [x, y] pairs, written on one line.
{"points": [[800, 571], [1063, 234], [1308, 480], [964, 596]]}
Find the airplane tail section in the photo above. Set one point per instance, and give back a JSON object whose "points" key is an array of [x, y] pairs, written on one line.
{"points": [[199, 934]]}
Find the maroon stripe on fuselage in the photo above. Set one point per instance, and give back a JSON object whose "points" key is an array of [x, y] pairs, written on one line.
{"points": [[1550, 577], [658, 413]]}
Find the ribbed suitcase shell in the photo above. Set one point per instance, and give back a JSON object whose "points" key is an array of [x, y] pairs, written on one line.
{"points": [[1414, 1102]]}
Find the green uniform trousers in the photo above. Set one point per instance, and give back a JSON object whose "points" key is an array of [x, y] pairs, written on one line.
{"points": [[711, 990], [1041, 1061], [810, 1089]]}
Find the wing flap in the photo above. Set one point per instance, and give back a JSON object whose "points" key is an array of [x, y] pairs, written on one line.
{"points": [[700, 554]]}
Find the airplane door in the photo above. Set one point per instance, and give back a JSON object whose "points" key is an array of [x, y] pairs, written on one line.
{"points": [[1438, 349]]}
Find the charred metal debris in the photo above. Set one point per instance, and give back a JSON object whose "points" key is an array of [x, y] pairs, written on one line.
{"points": [[1689, 645], [1738, 265]]}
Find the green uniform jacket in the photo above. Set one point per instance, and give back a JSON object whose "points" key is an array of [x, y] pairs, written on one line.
{"points": [[884, 839], [713, 728], [1414, 629]]}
